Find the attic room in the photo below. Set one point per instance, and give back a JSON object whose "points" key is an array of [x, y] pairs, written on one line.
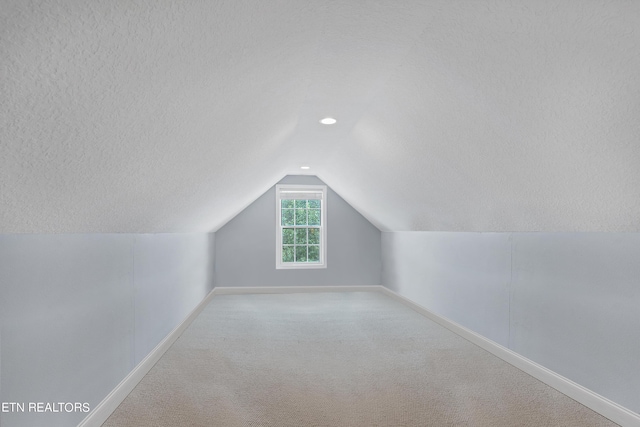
{"points": [[459, 246]]}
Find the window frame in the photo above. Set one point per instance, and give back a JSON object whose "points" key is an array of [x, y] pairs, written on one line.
{"points": [[280, 189]]}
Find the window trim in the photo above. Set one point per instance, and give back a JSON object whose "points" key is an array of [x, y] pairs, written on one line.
{"points": [[323, 226]]}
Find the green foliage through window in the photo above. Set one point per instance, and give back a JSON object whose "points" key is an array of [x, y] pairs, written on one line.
{"points": [[314, 236], [287, 236], [314, 253], [288, 253], [301, 237], [301, 253]]}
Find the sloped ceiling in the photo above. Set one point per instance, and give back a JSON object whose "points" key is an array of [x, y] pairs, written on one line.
{"points": [[172, 116]]}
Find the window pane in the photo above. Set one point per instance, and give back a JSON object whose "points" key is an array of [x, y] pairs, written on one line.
{"points": [[314, 216], [301, 254], [314, 236], [287, 253], [314, 253], [301, 236], [301, 216], [314, 204], [302, 204], [286, 204], [287, 216], [287, 236]]}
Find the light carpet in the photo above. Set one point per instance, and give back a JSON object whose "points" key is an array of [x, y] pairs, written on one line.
{"points": [[335, 359]]}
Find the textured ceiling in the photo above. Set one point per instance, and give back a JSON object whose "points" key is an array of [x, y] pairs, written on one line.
{"points": [[172, 116]]}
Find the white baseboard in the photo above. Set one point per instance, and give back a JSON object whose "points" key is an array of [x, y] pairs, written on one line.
{"points": [[611, 410], [104, 409], [292, 289]]}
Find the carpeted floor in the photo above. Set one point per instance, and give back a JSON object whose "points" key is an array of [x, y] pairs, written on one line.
{"points": [[335, 359]]}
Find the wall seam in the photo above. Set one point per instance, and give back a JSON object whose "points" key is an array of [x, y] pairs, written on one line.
{"points": [[133, 300], [510, 287]]}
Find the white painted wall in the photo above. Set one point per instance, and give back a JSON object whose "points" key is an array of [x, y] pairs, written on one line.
{"points": [[79, 311], [462, 276], [568, 301], [173, 273]]}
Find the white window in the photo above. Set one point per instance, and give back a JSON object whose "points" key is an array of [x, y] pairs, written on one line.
{"points": [[301, 228]]}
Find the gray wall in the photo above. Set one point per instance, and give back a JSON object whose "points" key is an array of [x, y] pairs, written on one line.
{"points": [[79, 311], [568, 301], [246, 246]]}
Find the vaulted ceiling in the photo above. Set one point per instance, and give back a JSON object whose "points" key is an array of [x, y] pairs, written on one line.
{"points": [[172, 116]]}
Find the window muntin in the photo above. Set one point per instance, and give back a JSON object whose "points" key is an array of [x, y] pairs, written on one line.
{"points": [[301, 228]]}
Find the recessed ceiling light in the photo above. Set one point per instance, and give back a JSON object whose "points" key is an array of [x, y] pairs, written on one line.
{"points": [[304, 167], [328, 121]]}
